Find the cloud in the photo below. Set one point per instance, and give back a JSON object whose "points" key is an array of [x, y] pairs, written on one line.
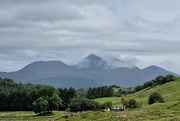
{"points": [[43, 29]]}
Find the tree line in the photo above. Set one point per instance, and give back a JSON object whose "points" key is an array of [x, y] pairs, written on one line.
{"points": [[100, 92], [43, 99], [158, 81], [17, 97]]}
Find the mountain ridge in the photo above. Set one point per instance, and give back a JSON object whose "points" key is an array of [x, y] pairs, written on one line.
{"points": [[96, 72]]}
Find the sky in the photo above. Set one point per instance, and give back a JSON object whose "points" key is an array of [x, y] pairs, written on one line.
{"points": [[143, 31]]}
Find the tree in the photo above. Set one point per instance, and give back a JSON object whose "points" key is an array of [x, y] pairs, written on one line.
{"points": [[124, 102], [110, 91], [55, 101], [66, 95], [106, 105], [155, 98], [49, 94], [81, 92], [83, 104], [132, 103], [40, 105], [76, 105], [160, 79]]}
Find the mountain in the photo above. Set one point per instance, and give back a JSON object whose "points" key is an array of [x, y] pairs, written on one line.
{"points": [[116, 63], [92, 61], [155, 70], [92, 71]]}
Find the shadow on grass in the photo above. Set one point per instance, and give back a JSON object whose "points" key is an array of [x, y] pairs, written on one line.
{"points": [[38, 115], [46, 114]]}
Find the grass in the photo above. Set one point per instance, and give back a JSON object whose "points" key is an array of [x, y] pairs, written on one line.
{"points": [[114, 100], [28, 116], [168, 111]]}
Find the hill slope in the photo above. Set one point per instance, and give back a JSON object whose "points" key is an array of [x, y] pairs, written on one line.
{"points": [[170, 110]]}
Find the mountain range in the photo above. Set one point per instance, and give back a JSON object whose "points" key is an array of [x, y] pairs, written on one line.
{"points": [[92, 71]]}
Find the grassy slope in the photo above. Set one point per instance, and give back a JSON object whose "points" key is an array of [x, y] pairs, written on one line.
{"points": [[169, 111], [170, 92]]}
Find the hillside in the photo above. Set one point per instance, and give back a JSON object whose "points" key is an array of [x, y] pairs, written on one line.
{"points": [[170, 110], [170, 91]]}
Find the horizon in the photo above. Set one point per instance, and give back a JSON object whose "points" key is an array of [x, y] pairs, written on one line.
{"points": [[102, 57]]}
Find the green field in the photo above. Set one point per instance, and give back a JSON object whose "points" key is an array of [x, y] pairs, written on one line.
{"points": [[168, 111], [28, 116]]}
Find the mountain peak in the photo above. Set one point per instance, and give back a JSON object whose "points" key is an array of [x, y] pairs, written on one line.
{"points": [[92, 61], [93, 57]]}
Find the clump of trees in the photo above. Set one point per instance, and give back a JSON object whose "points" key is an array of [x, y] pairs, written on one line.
{"points": [[158, 81], [130, 104], [124, 91], [100, 92], [66, 95], [43, 99], [47, 101], [17, 96], [155, 98], [84, 104]]}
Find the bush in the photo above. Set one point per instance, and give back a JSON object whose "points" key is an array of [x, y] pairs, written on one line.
{"points": [[155, 98], [106, 105], [83, 104], [132, 103]]}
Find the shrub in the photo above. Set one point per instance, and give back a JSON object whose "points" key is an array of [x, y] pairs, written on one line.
{"points": [[155, 98], [106, 105], [83, 104], [132, 103]]}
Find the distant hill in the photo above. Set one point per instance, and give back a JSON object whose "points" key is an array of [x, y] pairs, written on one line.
{"points": [[92, 71]]}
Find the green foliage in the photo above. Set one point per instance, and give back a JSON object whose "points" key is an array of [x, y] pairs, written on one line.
{"points": [[106, 105], [132, 103], [40, 105], [17, 96], [47, 91], [124, 91], [83, 104], [50, 95], [157, 112], [66, 95], [155, 98], [81, 92], [99, 92], [158, 81], [124, 102]]}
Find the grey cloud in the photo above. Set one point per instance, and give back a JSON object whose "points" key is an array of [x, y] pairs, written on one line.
{"points": [[31, 28], [48, 12]]}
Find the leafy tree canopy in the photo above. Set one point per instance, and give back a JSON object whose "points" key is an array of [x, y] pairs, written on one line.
{"points": [[48, 100]]}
